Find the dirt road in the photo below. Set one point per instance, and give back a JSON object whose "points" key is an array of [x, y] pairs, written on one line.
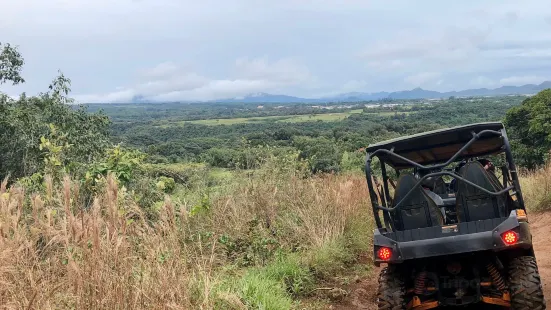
{"points": [[363, 294]]}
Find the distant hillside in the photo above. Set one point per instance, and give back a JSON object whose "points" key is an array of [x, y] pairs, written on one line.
{"points": [[416, 93], [266, 98]]}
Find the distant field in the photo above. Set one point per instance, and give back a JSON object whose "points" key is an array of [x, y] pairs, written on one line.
{"points": [[391, 113], [327, 117]]}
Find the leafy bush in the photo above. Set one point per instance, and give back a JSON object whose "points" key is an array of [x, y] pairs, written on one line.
{"points": [[353, 161], [187, 174], [122, 163], [256, 247], [322, 154], [166, 184]]}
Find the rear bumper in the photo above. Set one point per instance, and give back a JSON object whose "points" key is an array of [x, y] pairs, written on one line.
{"points": [[439, 241]]}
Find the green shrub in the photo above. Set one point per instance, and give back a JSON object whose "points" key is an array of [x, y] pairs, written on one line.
{"points": [[166, 184], [123, 163], [255, 248], [353, 161], [182, 173]]}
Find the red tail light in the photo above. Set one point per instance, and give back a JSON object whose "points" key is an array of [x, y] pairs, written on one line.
{"points": [[384, 253], [510, 237]]}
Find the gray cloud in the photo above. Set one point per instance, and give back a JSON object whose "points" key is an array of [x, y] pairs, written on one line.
{"points": [[199, 50]]}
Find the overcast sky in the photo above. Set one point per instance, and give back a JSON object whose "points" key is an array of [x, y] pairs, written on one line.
{"points": [[113, 50]]}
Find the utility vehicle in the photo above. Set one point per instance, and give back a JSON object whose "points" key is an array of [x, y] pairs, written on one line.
{"points": [[452, 228]]}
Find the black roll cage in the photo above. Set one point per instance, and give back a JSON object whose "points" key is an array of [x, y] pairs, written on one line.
{"points": [[385, 199]]}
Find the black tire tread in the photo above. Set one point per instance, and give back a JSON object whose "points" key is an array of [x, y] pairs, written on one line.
{"points": [[392, 292], [525, 284]]}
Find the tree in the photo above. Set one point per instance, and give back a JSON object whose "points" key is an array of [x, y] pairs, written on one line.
{"points": [[26, 121], [321, 153], [11, 63], [529, 127]]}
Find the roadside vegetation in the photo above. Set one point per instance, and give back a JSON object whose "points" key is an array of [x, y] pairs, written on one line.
{"points": [[260, 243], [536, 188], [255, 215]]}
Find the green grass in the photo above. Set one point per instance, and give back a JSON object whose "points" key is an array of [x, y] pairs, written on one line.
{"points": [[327, 117], [259, 291], [273, 286], [331, 257], [290, 278], [391, 113], [177, 166], [269, 287]]}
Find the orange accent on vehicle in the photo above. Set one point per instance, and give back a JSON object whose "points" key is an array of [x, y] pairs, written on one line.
{"points": [[504, 301], [416, 304], [521, 215]]}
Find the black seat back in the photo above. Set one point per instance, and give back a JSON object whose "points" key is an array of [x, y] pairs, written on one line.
{"points": [[418, 210], [440, 186], [473, 204], [436, 184]]}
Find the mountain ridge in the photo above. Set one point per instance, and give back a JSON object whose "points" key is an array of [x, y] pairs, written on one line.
{"points": [[415, 93]]}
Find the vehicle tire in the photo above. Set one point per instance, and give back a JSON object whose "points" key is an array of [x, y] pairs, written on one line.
{"points": [[392, 291], [525, 284]]}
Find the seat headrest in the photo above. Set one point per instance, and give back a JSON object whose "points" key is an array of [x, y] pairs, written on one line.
{"points": [[429, 182]]}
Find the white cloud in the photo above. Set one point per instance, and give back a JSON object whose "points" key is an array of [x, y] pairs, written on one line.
{"points": [[117, 96], [521, 80], [216, 89], [170, 82]]}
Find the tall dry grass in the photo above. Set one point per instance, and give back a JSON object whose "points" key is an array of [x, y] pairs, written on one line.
{"points": [[536, 188], [55, 254]]}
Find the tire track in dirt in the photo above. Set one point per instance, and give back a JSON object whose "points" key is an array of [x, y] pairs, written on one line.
{"points": [[362, 295]]}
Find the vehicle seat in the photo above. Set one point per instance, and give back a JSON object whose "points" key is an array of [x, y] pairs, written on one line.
{"points": [[418, 210], [436, 184], [473, 204]]}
